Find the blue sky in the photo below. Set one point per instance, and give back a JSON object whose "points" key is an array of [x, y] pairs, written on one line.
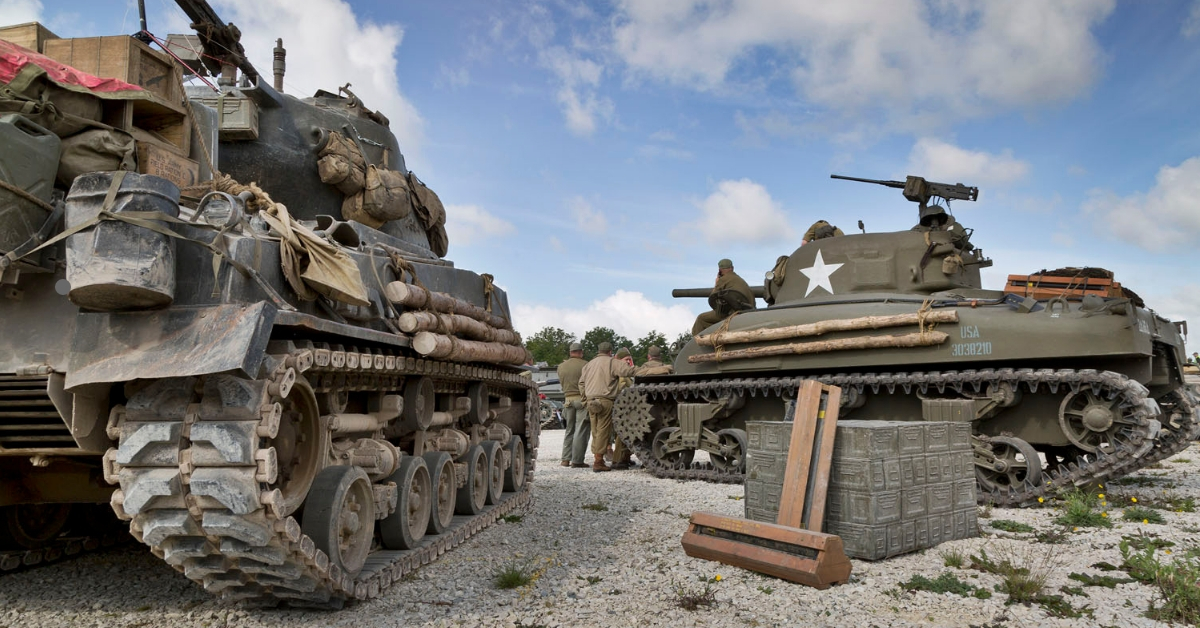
{"points": [[596, 155]]}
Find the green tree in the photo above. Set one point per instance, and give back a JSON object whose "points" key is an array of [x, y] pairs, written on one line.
{"points": [[592, 339], [680, 341], [550, 345], [652, 339]]}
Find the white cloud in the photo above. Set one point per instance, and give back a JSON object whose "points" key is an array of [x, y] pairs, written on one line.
{"points": [[630, 314], [1167, 215], [452, 77], [939, 161], [587, 219], [329, 46], [868, 56], [741, 211], [662, 135], [1191, 25], [467, 224], [577, 94], [20, 11]]}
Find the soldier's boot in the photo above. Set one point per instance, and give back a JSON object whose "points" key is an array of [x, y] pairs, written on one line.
{"points": [[565, 463], [598, 465]]}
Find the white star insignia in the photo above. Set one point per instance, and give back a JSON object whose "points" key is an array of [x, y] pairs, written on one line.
{"points": [[818, 275]]}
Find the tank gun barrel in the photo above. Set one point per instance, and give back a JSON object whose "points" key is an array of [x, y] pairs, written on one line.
{"points": [[221, 41], [890, 184], [918, 190], [703, 293]]}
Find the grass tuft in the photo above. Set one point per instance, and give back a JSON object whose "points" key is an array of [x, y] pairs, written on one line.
{"points": [[512, 518], [1142, 541], [1053, 537], [691, 600], [1177, 582], [596, 507], [1108, 582], [1079, 511], [512, 575], [953, 558], [985, 511]]}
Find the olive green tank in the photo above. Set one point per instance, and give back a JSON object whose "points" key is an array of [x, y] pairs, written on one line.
{"points": [[1063, 386]]}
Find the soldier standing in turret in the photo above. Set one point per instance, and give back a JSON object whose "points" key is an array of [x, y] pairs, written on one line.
{"points": [[730, 294], [819, 231], [653, 364], [575, 420]]}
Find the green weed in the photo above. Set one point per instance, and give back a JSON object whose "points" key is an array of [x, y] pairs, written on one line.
{"points": [[596, 507], [1008, 525], [513, 575], [1079, 511], [945, 583], [1145, 515], [953, 558], [1108, 582]]}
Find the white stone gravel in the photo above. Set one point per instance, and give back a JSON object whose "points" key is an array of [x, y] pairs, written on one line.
{"points": [[633, 556]]}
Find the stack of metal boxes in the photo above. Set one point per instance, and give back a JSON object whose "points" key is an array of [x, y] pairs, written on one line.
{"points": [[895, 486]]}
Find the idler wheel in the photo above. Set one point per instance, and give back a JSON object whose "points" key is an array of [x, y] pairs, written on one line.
{"points": [[405, 527], [658, 447], [340, 516], [1017, 464], [1093, 423], [30, 526], [444, 490], [299, 445], [732, 458]]}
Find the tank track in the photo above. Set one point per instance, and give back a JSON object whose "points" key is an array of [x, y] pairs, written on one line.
{"points": [[66, 547], [242, 548], [633, 418]]}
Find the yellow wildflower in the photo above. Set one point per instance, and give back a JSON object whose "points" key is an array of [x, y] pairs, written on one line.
{"points": [[1167, 551], [1100, 485], [1075, 529], [1103, 514], [1101, 495], [1040, 500], [1145, 521], [1103, 503], [1133, 499]]}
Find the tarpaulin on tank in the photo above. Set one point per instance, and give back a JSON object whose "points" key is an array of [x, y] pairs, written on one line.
{"points": [[20, 67]]}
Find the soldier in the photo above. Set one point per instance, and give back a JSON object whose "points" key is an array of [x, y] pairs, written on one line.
{"points": [[654, 365], [577, 426], [819, 230], [730, 294], [620, 455], [599, 384]]}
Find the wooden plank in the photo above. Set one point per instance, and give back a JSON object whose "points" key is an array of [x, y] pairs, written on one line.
{"points": [[795, 474], [823, 452], [30, 35], [801, 556]]}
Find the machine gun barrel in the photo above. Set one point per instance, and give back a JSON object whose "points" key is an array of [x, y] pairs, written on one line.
{"points": [[890, 184], [220, 40], [703, 293]]}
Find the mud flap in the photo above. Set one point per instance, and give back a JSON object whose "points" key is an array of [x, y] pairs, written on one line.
{"points": [[176, 342]]}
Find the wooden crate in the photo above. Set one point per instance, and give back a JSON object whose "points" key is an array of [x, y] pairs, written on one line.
{"points": [[1048, 287], [31, 35], [125, 58], [165, 161]]}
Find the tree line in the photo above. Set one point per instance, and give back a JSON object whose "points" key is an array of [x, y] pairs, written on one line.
{"points": [[551, 344]]}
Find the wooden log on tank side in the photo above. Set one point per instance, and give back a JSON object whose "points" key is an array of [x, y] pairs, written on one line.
{"points": [[457, 350], [823, 327], [456, 325], [824, 346], [416, 297]]}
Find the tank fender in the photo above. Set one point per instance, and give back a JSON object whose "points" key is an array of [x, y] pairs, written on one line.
{"points": [[109, 347]]}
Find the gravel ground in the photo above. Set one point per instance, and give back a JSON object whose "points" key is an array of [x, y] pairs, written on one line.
{"points": [[621, 564]]}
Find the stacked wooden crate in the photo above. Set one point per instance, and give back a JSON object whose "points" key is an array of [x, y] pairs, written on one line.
{"points": [[895, 486], [160, 124]]}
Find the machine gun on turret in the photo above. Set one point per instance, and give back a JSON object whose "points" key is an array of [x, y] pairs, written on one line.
{"points": [[918, 190]]}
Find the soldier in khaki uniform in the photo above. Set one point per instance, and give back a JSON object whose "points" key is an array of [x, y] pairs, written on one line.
{"points": [[599, 386], [819, 231], [730, 294], [575, 420], [620, 455], [654, 364]]}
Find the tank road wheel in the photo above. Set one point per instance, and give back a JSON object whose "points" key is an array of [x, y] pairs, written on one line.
{"points": [[340, 516], [677, 459], [405, 527], [496, 471], [1093, 423], [514, 475], [1017, 465], [443, 489], [30, 526], [473, 496], [299, 445], [732, 458]]}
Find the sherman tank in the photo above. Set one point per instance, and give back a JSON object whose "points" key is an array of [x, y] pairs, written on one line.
{"points": [[259, 358], [1065, 376]]}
